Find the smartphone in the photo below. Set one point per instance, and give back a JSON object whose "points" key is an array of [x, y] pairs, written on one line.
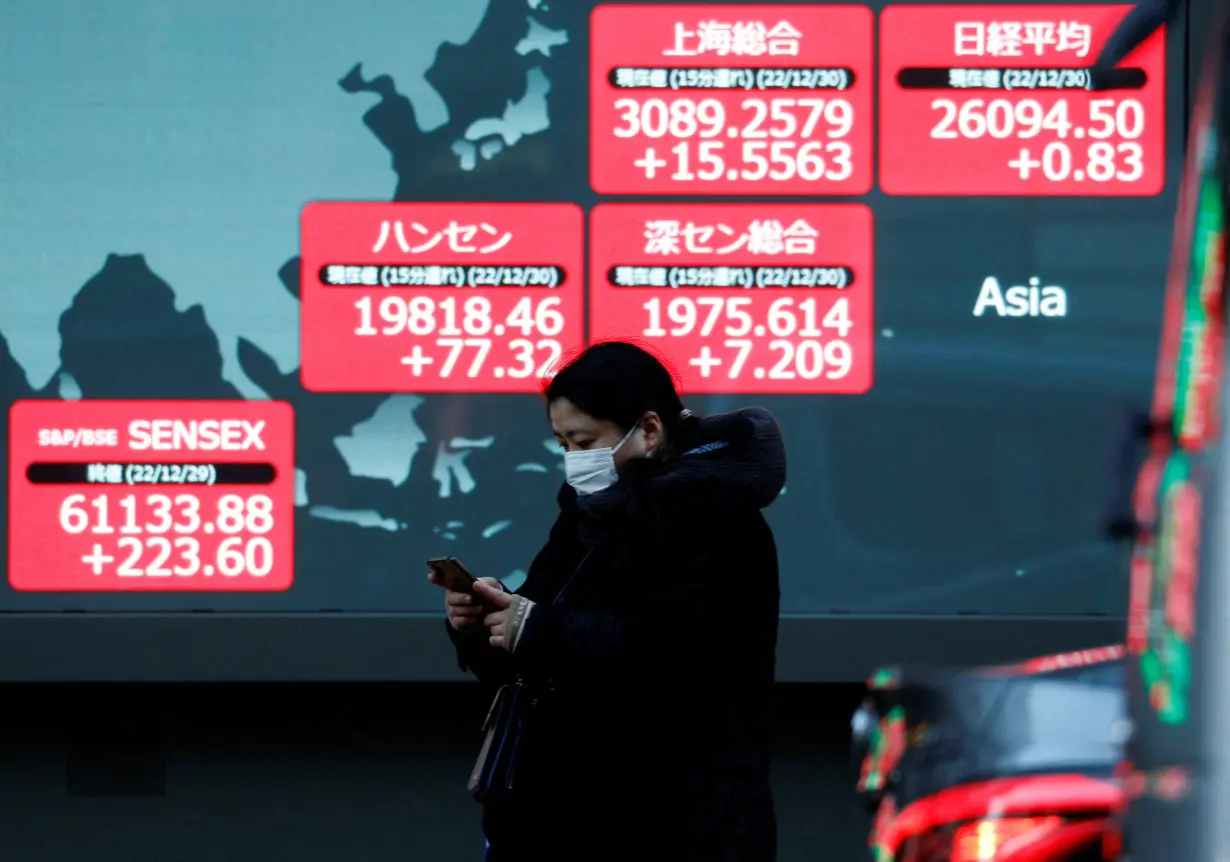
{"points": [[452, 574]]}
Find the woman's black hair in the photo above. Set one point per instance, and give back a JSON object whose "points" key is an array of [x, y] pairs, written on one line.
{"points": [[620, 382]]}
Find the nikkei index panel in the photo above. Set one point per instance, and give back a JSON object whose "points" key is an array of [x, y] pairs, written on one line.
{"points": [[440, 297], [708, 99], [1002, 100]]}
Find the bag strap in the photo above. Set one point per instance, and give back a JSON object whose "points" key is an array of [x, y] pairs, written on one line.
{"points": [[572, 577], [520, 681]]}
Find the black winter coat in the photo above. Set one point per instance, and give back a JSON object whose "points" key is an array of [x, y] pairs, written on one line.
{"points": [[655, 666]]}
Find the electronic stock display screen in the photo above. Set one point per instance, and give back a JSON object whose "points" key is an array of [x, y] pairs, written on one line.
{"points": [[276, 312]]}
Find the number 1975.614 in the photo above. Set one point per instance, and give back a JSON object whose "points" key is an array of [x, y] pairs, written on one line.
{"points": [[785, 317]]}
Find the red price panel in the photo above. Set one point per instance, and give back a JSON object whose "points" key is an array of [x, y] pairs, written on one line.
{"points": [[439, 297], [997, 100], [726, 100], [754, 298], [151, 496]]}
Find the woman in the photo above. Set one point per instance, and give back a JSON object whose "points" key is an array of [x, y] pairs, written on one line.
{"points": [[643, 638]]}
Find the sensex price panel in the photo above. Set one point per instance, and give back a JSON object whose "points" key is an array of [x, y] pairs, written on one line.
{"points": [[1000, 100], [446, 297], [739, 298], [151, 495], [731, 100]]}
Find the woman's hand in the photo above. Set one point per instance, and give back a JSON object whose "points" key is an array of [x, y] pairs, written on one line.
{"points": [[464, 611], [506, 617], [499, 603]]}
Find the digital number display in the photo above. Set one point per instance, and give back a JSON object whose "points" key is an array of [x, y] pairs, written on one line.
{"points": [[439, 297], [151, 495], [999, 100], [750, 299], [731, 100]]}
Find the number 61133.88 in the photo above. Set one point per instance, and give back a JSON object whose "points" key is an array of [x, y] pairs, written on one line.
{"points": [[162, 513]]}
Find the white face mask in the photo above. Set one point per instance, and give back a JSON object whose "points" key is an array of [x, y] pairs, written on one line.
{"points": [[593, 470]]}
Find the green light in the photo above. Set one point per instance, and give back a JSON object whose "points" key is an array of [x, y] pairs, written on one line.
{"points": [[1165, 664], [884, 678], [1206, 235]]}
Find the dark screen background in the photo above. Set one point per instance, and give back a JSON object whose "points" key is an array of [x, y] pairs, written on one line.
{"points": [[158, 160]]}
